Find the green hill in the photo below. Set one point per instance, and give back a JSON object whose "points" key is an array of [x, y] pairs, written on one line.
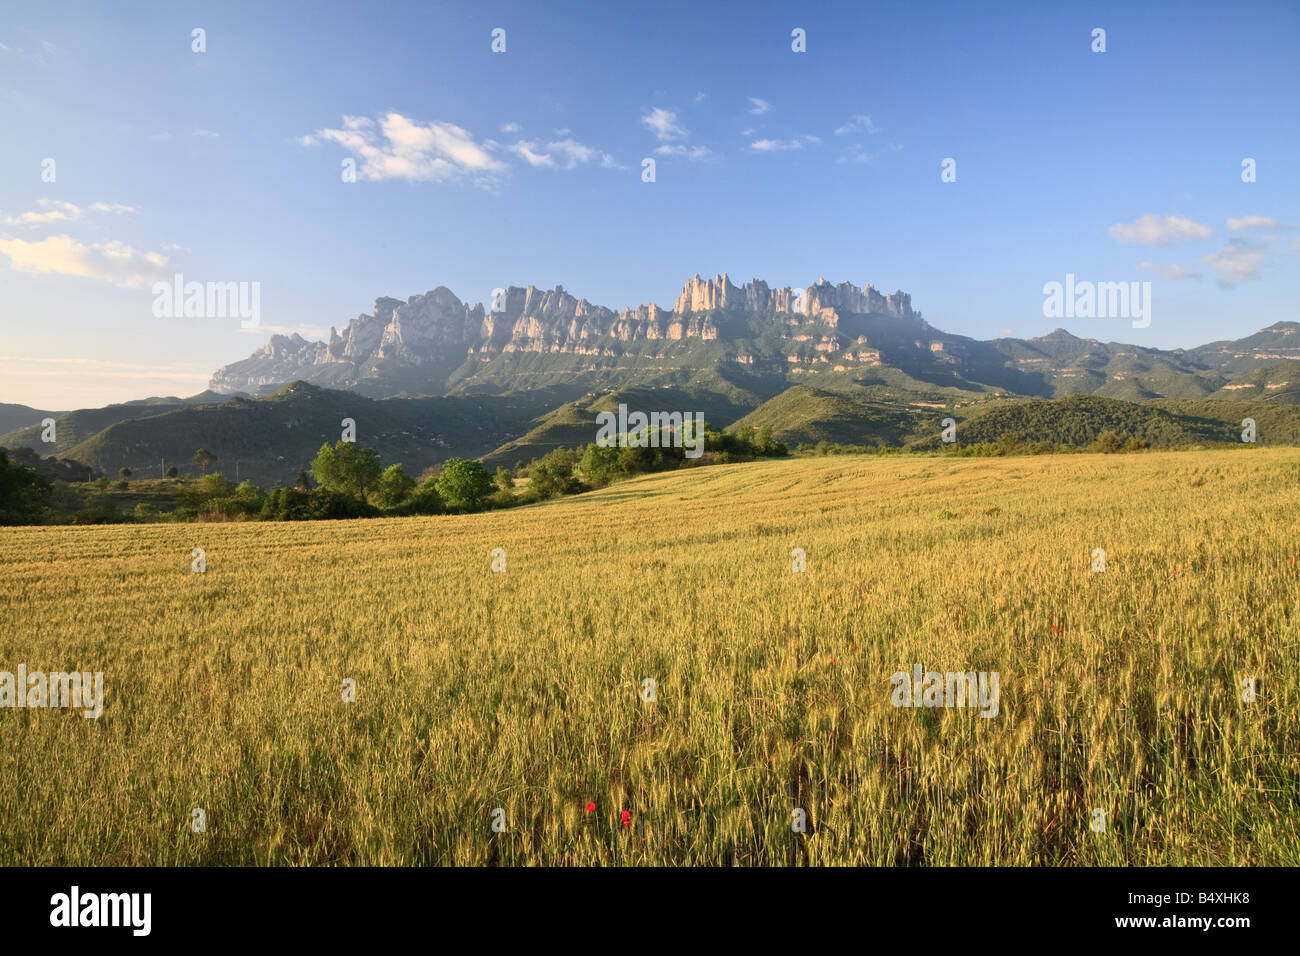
{"points": [[1279, 382], [574, 423], [1079, 419], [803, 414], [268, 439]]}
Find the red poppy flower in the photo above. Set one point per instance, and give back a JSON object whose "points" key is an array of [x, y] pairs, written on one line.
{"points": [[626, 816], [590, 807]]}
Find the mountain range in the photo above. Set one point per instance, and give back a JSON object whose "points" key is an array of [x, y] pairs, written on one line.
{"points": [[752, 336], [433, 377]]}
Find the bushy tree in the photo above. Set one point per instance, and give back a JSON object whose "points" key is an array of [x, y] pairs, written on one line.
{"points": [[173, 471], [463, 485], [346, 468], [1108, 442], [393, 488], [599, 465]]}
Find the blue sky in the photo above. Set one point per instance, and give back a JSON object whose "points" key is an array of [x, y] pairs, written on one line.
{"points": [[479, 169]]}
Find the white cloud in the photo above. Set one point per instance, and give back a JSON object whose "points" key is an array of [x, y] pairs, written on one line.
{"points": [[759, 107], [1171, 272], [510, 127], [206, 134], [701, 97], [111, 261], [693, 153], [58, 210], [560, 154], [782, 145], [663, 123], [51, 210], [398, 147], [113, 207], [1238, 261], [1152, 230], [857, 124], [1254, 222]]}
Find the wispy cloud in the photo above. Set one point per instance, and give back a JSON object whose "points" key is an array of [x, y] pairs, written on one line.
{"points": [[1171, 272], [758, 107], [58, 210], [1152, 230], [856, 154], [663, 123], [398, 147], [1238, 261], [783, 145], [692, 153], [206, 134], [1254, 222], [560, 154], [857, 123], [112, 261], [700, 98]]}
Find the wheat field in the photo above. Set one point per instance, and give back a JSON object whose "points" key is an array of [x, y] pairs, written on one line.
{"points": [[1121, 691]]}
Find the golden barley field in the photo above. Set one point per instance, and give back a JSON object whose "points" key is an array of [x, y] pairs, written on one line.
{"points": [[1121, 690]]}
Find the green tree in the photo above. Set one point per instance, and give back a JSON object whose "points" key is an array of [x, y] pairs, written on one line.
{"points": [[346, 468], [23, 493], [302, 482], [124, 473], [393, 488], [463, 484], [173, 471], [1107, 442], [505, 479], [599, 465]]}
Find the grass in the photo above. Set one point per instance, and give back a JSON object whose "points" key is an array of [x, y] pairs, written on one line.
{"points": [[477, 690]]}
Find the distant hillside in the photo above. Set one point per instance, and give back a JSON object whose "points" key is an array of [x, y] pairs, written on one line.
{"points": [[1279, 382], [1079, 419], [52, 468], [1279, 342], [21, 416], [808, 415], [272, 437], [72, 428], [1276, 423], [574, 423]]}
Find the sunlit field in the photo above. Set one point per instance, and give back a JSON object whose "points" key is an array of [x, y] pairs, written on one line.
{"points": [[1121, 691]]}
